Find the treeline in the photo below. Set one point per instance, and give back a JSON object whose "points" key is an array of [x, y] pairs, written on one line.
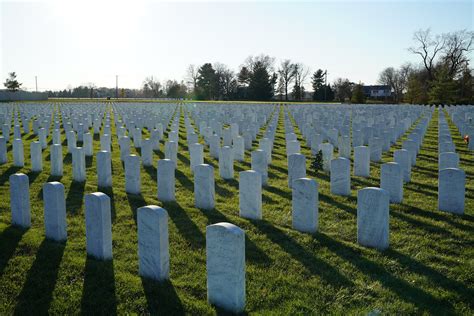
{"points": [[442, 76]]}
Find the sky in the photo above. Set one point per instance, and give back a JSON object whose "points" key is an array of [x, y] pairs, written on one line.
{"points": [[70, 43]]}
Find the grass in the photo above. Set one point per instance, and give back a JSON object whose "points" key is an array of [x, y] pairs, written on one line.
{"points": [[427, 269]]}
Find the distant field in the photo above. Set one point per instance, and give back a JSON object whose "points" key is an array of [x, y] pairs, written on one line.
{"points": [[429, 267]]}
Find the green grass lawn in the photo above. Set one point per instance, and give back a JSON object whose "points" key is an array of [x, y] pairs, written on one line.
{"points": [[429, 267]]}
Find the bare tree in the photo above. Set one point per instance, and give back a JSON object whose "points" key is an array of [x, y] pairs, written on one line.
{"points": [[287, 74], [152, 87], [428, 47], [192, 76], [456, 49], [262, 59], [226, 81], [300, 73], [397, 79]]}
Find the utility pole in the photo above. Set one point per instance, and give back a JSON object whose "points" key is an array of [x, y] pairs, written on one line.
{"points": [[36, 83], [325, 85], [116, 86]]}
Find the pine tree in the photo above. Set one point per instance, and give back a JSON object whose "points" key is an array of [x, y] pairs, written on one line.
{"points": [[11, 83], [317, 162]]}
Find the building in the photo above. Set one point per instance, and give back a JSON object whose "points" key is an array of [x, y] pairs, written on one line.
{"points": [[378, 92]]}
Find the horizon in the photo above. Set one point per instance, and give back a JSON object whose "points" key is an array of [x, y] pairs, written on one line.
{"points": [[160, 39]]}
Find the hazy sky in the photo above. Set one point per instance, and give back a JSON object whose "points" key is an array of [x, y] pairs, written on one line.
{"points": [[68, 43]]}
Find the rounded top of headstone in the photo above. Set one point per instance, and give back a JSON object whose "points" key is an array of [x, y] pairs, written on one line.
{"points": [[54, 184], [231, 228]]}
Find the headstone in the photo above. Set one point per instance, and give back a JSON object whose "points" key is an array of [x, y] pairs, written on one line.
{"points": [[166, 180], [3, 150], [411, 147], [124, 143], [54, 211], [373, 218], [250, 194], [293, 147], [171, 151], [98, 226], [88, 145], [132, 174], [362, 161], [226, 163], [78, 165], [341, 176], [204, 190], [147, 152], [36, 157], [225, 265], [402, 157], [448, 160], [296, 168], [18, 154], [239, 148], [451, 190], [391, 180], [327, 150], [375, 147], [259, 164], [56, 160], [153, 244], [196, 154], [20, 200], [305, 203], [104, 169]]}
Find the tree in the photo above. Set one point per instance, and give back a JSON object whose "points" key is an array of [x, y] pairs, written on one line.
{"points": [[319, 88], [152, 88], [225, 82], [456, 51], [342, 89], [192, 76], [396, 79], [417, 90], [428, 47], [261, 83], [443, 90], [465, 87], [11, 83], [358, 95], [243, 81], [175, 90], [287, 74], [447, 53], [301, 72], [206, 82]]}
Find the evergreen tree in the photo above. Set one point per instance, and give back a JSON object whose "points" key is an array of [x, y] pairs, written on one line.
{"points": [[317, 162], [261, 83], [317, 81], [443, 89], [358, 95], [206, 82], [11, 83]]}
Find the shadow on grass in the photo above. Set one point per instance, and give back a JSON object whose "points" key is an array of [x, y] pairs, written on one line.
{"points": [[424, 301], [5, 176], [185, 225], [37, 292], [75, 196], [161, 298], [98, 293], [312, 263], [135, 201], [9, 239]]}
